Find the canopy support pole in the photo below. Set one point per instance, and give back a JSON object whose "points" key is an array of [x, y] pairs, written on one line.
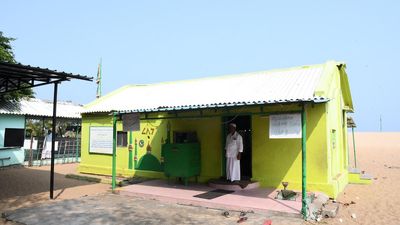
{"points": [[53, 139]]}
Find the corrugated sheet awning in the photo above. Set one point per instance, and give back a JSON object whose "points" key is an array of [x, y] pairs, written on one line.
{"points": [[17, 76], [41, 108], [350, 122], [258, 88]]}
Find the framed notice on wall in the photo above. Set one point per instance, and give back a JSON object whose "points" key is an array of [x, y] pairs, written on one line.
{"points": [[131, 122], [285, 126], [101, 140]]}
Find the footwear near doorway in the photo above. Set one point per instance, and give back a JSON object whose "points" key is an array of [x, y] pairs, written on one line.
{"points": [[243, 124]]}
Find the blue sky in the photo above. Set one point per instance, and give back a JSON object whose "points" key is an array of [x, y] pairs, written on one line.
{"points": [[152, 41]]}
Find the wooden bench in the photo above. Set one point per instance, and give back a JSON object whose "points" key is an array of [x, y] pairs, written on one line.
{"points": [[2, 160]]}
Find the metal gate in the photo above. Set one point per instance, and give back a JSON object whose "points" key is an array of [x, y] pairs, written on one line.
{"points": [[68, 150]]}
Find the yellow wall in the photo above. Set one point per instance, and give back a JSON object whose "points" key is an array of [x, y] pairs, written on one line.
{"points": [[274, 160], [151, 132], [94, 163], [337, 144], [154, 133], [277, 160], [209, 135]]}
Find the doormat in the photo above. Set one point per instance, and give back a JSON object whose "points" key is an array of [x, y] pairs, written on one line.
{"points": [[213, 194]]}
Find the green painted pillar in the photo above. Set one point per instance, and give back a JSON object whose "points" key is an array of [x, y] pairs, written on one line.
{"points": [[303, 163], [168, 140], [354, 148], [223, 139], [76, 145], [130, 148], [136, 152], [114, 156]]}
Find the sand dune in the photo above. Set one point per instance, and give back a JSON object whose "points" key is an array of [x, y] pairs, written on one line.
{"points": [[379, 203]]}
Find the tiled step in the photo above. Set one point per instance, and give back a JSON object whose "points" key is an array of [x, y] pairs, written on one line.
{"points": [[356, 176], [365, 176], [354, 170], [236, 186]]}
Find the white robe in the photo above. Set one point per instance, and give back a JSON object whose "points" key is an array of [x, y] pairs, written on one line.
{"points": [[46, 152], [234, 145]]}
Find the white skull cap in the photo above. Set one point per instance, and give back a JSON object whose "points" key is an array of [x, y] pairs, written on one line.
{"points": [[233, 125]]}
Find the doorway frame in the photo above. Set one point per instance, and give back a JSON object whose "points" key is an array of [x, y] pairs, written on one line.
{"points": [[223, 140]]}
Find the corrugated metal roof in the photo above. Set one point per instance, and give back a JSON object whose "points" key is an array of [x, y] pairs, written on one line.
{"points": [[266, 87], [42, 108]]}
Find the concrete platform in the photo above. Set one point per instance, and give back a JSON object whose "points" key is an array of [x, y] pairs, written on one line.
{"points": [[258, 199]]}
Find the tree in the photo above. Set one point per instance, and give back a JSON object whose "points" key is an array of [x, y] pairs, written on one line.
{"points": [[7, 55]]}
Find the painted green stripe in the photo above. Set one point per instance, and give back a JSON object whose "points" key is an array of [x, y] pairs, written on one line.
{"points": [[114, 158], [136, 152], [130, 163]]}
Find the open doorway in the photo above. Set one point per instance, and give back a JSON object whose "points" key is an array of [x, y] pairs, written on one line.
{"points": [[243, 124]]}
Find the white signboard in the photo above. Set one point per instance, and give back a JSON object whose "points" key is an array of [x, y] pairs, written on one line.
{"points": [[27, 144], [101, 140], [285, 126]]}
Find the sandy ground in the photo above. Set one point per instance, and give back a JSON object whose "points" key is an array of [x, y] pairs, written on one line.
{"points": [[378, 203], [377, 153], [22, 187], [26, 200], [117, 209]]}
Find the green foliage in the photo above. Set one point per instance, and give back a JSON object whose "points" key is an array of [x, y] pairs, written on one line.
{"points": [[16, 95], [7, 55], [34, 127], [39, 127]]}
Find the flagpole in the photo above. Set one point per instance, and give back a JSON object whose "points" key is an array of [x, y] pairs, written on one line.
{"points": [[98, 81]]}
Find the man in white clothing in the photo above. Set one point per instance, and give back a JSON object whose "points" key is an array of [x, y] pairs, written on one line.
{"points": [[234, 148], [46, 151]]}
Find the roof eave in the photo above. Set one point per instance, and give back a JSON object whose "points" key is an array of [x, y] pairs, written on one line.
{"points": [[316, 100]]}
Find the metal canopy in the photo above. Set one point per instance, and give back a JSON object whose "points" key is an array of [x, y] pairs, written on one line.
{"points": [[14, 77], [17, 76]]}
